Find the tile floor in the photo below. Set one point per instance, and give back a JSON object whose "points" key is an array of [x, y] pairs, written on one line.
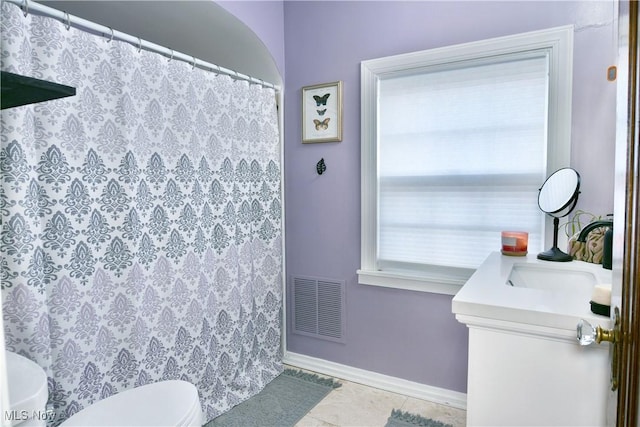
{"points": [[356, 405]]}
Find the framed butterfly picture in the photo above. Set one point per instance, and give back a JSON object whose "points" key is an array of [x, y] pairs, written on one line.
{"points": [[322, 113]]}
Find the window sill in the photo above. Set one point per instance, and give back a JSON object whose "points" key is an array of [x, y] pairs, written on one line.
{"points": [[387, 279]]}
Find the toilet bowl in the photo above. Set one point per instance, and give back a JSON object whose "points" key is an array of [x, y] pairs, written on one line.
{"points": [[27, 392], [165, 403]]}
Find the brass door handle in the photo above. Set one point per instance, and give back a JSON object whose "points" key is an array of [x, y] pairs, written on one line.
{"points": [[587, 334]]}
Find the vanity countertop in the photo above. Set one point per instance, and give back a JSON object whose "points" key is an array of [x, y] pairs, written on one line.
{"points": [[486, 295]]}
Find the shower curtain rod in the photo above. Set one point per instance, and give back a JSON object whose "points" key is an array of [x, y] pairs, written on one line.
{"points": [[68, 20]]}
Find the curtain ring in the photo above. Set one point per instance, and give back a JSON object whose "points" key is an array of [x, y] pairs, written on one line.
{"points": [[193, 64], [67, 21], [111, 39], [139, 44], [25, 8], [171, 57]]}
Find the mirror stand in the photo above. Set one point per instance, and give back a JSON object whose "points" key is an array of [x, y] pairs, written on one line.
{"points": [[557, 198], [555, 254]]}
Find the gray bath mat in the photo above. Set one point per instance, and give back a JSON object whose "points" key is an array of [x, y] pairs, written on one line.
{"points": [[406, 419], [282, 403]]}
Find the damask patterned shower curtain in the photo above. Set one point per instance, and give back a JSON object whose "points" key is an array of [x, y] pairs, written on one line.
{"points": [[141, 221]]}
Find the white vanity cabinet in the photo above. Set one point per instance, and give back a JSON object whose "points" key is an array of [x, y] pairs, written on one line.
{"points": [[526, 367]]}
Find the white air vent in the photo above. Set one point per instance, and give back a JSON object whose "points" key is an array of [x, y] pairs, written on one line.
{"points": [[318, 308]]}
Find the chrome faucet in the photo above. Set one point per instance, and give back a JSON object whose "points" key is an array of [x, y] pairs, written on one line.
{"points": [[607, 247]]}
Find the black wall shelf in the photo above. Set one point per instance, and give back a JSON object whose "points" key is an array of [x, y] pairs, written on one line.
{"points": [[17, 90]]}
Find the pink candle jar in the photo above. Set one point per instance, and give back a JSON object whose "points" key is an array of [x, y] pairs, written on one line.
{"points": [[514, 243]]}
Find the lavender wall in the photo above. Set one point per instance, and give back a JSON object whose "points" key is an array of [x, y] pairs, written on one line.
{"points": [[266, 19], [407, 334]]}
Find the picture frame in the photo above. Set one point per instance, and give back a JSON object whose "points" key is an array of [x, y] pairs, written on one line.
{"points": [[322, 113]]}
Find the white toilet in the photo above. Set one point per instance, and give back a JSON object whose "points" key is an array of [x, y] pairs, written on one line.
{"points": [[28, 392], [165, 403]]}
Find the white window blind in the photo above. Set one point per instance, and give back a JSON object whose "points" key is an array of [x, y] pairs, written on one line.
{"points": [[456, 142], [462, 151]]}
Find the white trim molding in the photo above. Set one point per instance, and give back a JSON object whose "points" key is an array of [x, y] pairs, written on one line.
{"points": [[434, 285], [442, 396]]}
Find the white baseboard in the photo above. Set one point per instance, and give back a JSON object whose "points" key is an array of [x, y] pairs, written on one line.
{"points": [[373, 379]]}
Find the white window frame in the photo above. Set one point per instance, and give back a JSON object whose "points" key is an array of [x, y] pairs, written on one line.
{"points": [[557, 42]]}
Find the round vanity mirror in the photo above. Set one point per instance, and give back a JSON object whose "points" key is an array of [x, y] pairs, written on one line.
{"points": [[559, 193], [557, 198]]}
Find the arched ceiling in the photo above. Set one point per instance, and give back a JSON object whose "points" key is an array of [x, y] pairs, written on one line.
{"points": [[197, 28]]}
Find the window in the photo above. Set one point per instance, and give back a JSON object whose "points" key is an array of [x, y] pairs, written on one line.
{"points": [[456, 142]]}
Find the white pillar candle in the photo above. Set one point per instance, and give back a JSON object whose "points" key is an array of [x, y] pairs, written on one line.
{"points": [[602, 294]]}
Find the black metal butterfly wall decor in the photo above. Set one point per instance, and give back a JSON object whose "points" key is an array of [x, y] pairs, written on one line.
{"points": [[321, 167]]}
